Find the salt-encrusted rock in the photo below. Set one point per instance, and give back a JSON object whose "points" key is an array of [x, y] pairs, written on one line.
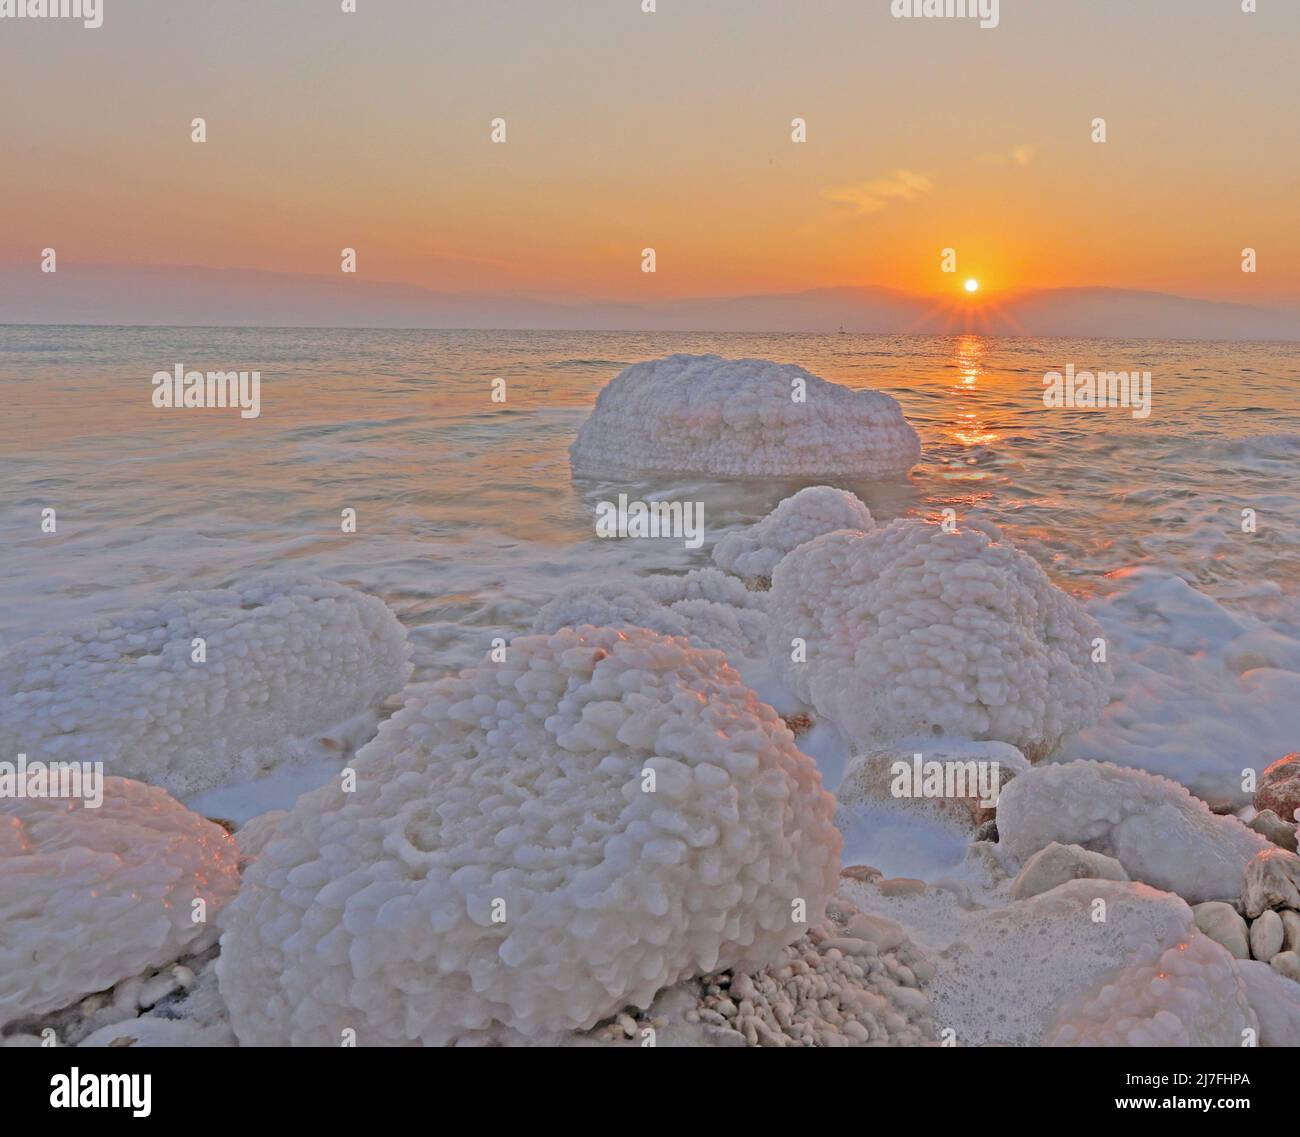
{"points": [[739, 631], [285, 662], [91, 896], [1267, 824], [753, 553], [256, 834], [742, 418], [700, 584], [1271, 880], [952, 780], [1056, 863], [1222, 923], [1275, 1001], [1192, 994], [148, 1032], [912, 630], [1279, 788], [1287, 963], [1037, 971], [1152, 826], [1266, 935], [502, 862], [829, 989], [625, 605], [1290, 929], [885, 933]]}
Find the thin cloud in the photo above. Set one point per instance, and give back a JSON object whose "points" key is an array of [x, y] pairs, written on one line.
{"points": [[1020, 155], [873, 196]]}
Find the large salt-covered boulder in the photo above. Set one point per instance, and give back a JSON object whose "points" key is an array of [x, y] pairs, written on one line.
{"points": [[1158, 831], [911, 629], [753, 553], [506, 860], [282, 663], [741, 418], [93, 895], [1060, 968]]}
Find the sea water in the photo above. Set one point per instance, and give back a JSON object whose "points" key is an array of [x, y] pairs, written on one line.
{"points": [[1180, 529]]}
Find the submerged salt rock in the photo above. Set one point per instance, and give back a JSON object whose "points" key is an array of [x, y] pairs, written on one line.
{"points": [[739, 631], [1152, 826], [89, 897], [1279, 788], [754, 553], [700, 584], [913, 630], [1222, 923], [741, 418], [283, 662], [1056, 863], [1036, 971], [504, 861]]}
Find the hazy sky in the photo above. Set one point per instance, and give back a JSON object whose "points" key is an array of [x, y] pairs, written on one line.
{"points": [[670, 130]]}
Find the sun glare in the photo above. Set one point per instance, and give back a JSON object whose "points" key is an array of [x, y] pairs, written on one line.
{"points": [[972, 285]]}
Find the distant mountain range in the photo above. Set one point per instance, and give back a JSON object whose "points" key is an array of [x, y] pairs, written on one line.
{"points": [[207, 297]]}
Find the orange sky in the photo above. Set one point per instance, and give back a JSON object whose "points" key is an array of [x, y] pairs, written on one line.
{"points": [[669, 130]]}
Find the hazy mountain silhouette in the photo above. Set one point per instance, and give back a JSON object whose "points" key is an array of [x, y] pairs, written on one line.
{"points": [[190, 296]]}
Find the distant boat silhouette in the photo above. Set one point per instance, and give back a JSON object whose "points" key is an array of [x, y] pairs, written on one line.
{"points": [[841, 329]]}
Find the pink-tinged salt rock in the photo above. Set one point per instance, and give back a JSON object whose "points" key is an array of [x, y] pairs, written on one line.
{"points": [[1279, 787]]}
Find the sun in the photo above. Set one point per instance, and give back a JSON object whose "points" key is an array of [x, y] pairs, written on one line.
{"points": [[972, 285]]}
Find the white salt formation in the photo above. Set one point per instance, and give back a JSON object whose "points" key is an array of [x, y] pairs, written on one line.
{"points": [[504, 859], [285, 661], [753, 553], [1191, 995], [739, 631], [701, 584], [852, 981], [1043, 971], [1158, 831], [92, 896], [740, 418], [911, 630]]}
